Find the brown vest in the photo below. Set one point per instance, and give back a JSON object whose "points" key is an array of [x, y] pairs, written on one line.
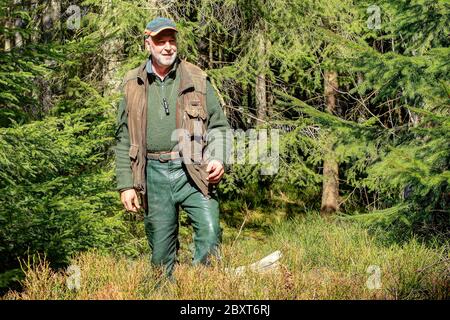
{"points": [[191, 118]]}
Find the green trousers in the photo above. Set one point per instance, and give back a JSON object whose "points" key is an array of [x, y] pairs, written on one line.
{"points": [[168, 188]]}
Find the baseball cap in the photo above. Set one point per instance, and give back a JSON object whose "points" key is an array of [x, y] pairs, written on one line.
{"points": [[159, 24]]}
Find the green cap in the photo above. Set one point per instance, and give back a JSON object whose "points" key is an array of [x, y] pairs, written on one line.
{"points": [[159, 24]]}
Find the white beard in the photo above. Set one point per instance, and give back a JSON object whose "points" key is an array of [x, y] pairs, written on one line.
{"points": [[164, 60]]}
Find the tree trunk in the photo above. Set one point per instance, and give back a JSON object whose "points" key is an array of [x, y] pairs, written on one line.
{"points": [[270, 101], [261, 103], [210, 48], [50, 32], [8, 26], [18, 25], [330, 191], [331, 85], [50, 20], [360, 78], [33, 4], [112, 50], [260, 85]]}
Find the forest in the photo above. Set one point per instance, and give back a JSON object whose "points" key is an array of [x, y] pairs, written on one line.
{"points": [[358, 92]]}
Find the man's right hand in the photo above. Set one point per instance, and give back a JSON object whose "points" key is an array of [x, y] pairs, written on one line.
{"points": [[130, 200]]}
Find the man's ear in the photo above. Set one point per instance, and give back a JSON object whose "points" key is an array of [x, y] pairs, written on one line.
{"points": [[147, 45]]}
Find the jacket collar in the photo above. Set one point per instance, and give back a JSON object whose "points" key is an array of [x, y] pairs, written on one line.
{"points": [[186, 81], [142, 73]]}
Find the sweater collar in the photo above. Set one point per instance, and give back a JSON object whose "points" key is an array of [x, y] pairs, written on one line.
{"points": [[150, 71]]}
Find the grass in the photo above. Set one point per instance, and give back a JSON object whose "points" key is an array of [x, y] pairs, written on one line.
{"points": [[322, 259]]}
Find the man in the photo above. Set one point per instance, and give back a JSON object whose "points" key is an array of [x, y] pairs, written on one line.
{"points": [[165, 154]]}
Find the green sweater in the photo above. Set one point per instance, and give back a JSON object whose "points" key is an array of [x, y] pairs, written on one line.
{"points": [[161, 125]]}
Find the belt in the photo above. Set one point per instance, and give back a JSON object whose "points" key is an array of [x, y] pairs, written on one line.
{"points": [[164, 156]]}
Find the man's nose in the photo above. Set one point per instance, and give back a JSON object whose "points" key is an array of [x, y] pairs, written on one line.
{"points": [[167, 46]]}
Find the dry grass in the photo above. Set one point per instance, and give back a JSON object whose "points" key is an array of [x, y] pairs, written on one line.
{"points": [[321, 260]]}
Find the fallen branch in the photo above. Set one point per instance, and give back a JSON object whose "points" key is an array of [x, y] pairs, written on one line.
{"points": [[266, 264]]}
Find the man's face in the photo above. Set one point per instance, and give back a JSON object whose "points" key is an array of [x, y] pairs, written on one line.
{"points": [[163, 48]]}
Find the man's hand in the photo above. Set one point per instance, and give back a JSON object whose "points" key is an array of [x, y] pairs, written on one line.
{"points": [[130, 200], [215, 169]]}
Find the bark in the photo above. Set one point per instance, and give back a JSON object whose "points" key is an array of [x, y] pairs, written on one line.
{"points": [[203, 49], [249, 102], [51, 20], [330, 191], [270, 101], [261, 103], [220, 52], [260, 85], [18, 24], [360, 78], [414, 118], [33, 4], [50, 32], [331, 84], [112, 51], [7, 39], [211, 56], [8, 26]]}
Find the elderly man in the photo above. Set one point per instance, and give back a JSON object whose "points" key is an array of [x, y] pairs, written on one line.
{"points": [[165, 155]]}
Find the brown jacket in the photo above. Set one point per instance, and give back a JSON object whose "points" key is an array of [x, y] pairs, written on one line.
{"points": [[191, 118]]}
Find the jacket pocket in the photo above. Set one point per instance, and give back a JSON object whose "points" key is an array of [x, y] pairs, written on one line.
{"points": [[195, 125], [195, 110]]}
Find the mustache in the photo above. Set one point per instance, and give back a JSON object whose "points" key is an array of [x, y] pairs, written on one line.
{"points": [[166, 59]]}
